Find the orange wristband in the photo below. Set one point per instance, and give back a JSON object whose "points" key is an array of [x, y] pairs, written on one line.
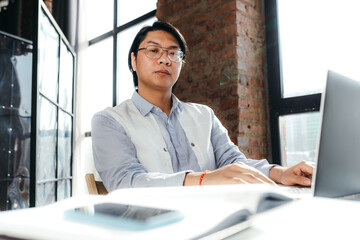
{"points": [[202, 176]]}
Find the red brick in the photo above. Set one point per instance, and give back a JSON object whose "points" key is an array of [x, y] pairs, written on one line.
{"points": [[258, 130], [213, 24], [255, 82], [192, 3], [253, 142], [212, 3], [178, 5], [227, 30], [201, 18], [49, 5], [228, 104], [214, 47], [227, 54], [243, 128], [244, 103], [232, 117], [243, 141], [164, 11], [255, 155], [255, 104], [243, 91], [251, 3], [229, 18], [225, 8]]}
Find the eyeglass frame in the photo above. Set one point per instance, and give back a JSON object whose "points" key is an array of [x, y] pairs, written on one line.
{"points": [[163, 50]]}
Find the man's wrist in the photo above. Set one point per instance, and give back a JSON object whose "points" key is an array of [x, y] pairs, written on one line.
{"points": [[192, 178], [275, 173]]}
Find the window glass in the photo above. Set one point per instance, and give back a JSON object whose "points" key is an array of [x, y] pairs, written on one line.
{"points": [[66, 74], [63, 189], [316, 36], [48, 58], [299, 136], [99, 17], [64, 145], [23, 66], [98, 81], [46, 142], [45, 193], [125, 79], [46, 152], [130, 10]]}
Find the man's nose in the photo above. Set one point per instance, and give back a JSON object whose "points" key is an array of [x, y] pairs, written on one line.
{"points": [[164, 58]]}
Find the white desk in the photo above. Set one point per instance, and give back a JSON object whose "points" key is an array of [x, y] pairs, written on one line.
{"points": [[311, 218], [316, 218]]}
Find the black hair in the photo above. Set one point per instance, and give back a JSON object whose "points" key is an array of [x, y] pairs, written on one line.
{"points": [[141, 35]]}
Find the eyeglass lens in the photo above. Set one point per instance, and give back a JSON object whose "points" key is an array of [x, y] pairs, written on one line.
{"points": [[156, 52]]}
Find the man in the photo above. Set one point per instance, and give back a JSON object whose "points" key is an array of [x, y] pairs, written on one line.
{"points": [[154, 139]]}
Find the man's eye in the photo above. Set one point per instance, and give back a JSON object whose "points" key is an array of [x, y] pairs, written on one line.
{"points": [[154, 50], [174, 53]]}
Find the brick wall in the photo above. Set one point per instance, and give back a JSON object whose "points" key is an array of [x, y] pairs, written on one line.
{"points": [[226, 65], [49, 4]]}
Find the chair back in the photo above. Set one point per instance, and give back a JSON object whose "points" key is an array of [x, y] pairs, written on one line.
{"points": [[95, 187]]}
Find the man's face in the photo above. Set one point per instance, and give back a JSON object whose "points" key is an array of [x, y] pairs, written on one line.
{"points": [[156, 74]]}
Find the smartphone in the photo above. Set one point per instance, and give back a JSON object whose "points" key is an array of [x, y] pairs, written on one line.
{"points": [[126, 216]]}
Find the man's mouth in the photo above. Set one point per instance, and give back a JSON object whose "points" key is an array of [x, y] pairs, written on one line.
{"points": [[164, 72]]}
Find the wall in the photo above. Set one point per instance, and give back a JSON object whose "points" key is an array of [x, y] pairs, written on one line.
{"points": [[226, 67], [49, 4]]}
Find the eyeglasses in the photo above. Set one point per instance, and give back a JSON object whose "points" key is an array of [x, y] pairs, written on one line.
{"points": [[155, 52]]}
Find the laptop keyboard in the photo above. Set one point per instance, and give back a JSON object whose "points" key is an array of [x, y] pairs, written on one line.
{"points": [[296, 192]]}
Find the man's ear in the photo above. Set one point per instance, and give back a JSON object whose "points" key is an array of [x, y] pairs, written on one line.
{"points": [[133, 61]]}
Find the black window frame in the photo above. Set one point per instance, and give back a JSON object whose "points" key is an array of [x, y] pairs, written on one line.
{"points": [[279, 106]]}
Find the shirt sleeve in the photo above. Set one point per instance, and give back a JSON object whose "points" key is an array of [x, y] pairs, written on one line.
{"points": [[226, 152], [115, 158]]}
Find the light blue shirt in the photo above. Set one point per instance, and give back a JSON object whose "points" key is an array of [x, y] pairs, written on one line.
{"points": [[115, 154]]}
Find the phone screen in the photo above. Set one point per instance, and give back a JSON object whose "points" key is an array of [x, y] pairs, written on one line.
{"points": [[127, 216], [133, 212]]}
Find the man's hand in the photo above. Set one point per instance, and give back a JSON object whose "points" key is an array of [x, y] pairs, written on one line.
{"points": [[236, 173], [299, 174]]}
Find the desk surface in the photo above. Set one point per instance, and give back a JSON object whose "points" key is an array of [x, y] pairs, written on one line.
{"points": [[317, 218]]}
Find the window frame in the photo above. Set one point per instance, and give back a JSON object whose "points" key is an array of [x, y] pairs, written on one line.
{"points": [[114, 33], [279, 106], [40, 7]]}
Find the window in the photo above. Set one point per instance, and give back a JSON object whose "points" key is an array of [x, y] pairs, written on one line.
{"points": [[124, 78], [107, 73], [52, 140], [109, 28], [304, 41]]}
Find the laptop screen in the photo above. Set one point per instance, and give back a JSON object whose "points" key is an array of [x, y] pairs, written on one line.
{"points": [[338, 163]]}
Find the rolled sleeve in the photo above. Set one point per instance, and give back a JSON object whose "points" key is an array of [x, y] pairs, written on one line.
{"points": [[226, 152]]}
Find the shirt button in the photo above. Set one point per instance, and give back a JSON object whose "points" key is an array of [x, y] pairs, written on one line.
{"points": [[165, 150], [192, 144]]}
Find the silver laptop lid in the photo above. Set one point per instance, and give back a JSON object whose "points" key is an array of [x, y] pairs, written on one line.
{"points": [[338, 162]]}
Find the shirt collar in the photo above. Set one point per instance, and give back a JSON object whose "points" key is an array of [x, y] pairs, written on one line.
{"points": [[145, 107]]}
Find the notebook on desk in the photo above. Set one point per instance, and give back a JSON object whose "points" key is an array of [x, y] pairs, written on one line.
{"points": [[337, 173]]}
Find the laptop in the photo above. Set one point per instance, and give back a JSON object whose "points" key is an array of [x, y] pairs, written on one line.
{"points": [[337, 171]]}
